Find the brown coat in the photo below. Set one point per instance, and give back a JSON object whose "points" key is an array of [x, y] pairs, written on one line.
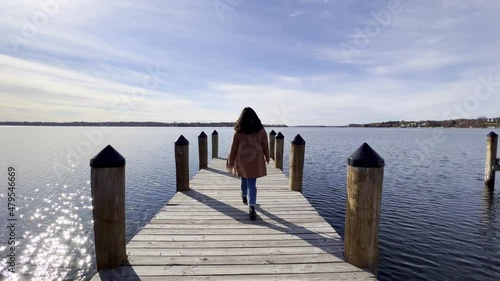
{"points": [[249, 154]]}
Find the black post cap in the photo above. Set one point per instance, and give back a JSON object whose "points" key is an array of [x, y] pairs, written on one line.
{"points": [[108, 158], [298, 140], [182, 141], [215, 132], [280, 136], [272, 133], [365, 157], [203, 135], [492, 135]]}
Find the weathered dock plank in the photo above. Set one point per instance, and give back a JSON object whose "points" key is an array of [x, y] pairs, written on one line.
{"points": [[205, 234]]}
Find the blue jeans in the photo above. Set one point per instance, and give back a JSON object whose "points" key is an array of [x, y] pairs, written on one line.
{"points": [[248, 187]]}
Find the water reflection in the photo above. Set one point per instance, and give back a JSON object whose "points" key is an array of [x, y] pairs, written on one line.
{"points": [[489, 220], [53, 242]]}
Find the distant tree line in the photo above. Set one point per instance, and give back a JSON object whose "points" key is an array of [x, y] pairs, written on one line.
{"points": [[481, 122], [128, 124]]}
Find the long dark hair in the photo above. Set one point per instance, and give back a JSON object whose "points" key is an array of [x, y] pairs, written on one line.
{"points": [[249, 122]]}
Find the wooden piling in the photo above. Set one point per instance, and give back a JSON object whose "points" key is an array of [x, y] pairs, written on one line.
{"points": [[279, 150], [297, 153], [108, 201], [272, 141], [365, 175], [215, 144], [182, 163], [203, 150], [491, 160]]}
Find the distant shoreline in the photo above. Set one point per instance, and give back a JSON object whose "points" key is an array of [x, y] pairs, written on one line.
{"points": [[125, 124], [457, 123], [479, 123], [266, 126]]}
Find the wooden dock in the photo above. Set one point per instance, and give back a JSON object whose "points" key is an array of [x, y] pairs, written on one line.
{"points": [[205, 234]]}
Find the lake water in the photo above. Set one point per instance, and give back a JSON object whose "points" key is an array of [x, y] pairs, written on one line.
{"points": [[437, 220]]}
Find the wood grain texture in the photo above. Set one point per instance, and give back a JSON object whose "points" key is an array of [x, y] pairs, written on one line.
{"points": [[297, 153], [182, 167], [215, 146], [364, 193], [278, 153], [491, 157], [203, 151], [272, 143], [204, 233], [108, 201]]}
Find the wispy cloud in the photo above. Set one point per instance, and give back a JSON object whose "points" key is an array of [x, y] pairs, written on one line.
{"points": [[297, 13]]}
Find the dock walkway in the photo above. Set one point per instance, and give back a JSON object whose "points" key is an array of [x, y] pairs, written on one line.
{"points": [[205, 234]]}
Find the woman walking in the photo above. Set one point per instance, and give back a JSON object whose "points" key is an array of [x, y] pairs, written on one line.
{"points": [[248, 156]]}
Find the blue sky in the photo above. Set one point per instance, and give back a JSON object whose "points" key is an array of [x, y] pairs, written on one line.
{"points": [[316, 62]]}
